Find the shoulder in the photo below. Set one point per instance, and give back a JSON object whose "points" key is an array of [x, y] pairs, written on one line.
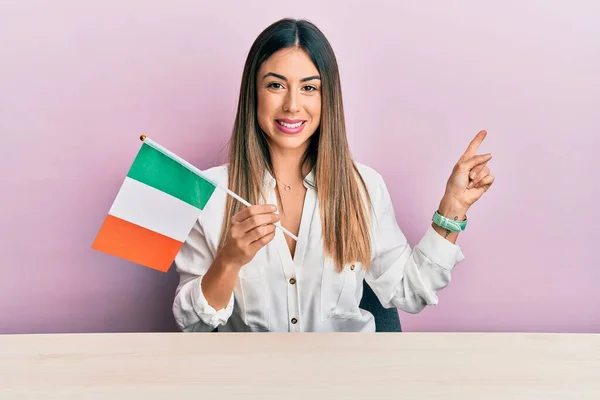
{"points": [[371, 176], [375, 185], [218, 174]]}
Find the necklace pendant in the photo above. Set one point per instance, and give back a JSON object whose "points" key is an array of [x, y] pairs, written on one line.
{"points": [[287, 188]]}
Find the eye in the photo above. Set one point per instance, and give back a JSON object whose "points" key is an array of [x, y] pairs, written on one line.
{"points": [[275, 85], [309, 88]]}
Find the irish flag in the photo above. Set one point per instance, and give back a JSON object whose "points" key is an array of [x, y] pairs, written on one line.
{"points": [[155, 208]]}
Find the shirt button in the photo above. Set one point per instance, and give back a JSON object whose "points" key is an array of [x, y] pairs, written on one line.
{"points": [[294, 321], [352, 267], [292, 281]]}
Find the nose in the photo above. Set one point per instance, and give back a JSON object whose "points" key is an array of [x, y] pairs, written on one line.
{"points": [[291, 102]]}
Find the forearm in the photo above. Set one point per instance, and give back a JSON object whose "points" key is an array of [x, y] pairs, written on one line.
{"points": [[452, 210], [218, 283]]}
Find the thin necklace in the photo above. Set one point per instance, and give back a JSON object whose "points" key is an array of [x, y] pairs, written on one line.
{"points": [[286, 187]]}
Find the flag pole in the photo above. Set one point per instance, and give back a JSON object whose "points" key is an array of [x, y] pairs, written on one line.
{"points": [[195, 170]]}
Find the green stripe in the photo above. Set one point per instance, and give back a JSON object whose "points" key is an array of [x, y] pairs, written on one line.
{"points": [[165, 174]]}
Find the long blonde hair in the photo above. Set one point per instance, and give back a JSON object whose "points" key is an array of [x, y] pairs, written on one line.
{"points": [[342, 194]]}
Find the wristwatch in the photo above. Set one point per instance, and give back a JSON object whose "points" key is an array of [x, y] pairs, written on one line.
{"points": [[449, 224]]}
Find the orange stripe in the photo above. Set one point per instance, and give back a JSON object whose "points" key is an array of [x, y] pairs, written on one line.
{"points": [[137, 244]]}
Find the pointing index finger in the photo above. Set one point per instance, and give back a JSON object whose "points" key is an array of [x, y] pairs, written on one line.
{"points": [[474, 145]]}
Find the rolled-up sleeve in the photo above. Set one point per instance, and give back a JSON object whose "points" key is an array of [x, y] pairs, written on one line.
{"points": [[191, 310], [401, 276]]}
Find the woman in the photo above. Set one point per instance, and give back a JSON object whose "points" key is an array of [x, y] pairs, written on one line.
{"points": [[289, 157]]}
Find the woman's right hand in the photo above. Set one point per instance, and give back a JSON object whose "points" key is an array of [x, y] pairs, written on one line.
{"points": [[251, 229]]}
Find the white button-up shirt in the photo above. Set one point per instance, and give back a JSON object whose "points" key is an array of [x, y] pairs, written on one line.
{"points": [[277, 293]]}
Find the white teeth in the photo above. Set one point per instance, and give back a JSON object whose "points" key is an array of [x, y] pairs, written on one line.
{"points": [[290, 125]]}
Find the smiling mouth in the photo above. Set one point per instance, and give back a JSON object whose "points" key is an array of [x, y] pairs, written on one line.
{"points": [[290, 125]]}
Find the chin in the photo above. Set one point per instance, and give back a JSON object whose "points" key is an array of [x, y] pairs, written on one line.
{"points": [[290, 143]]}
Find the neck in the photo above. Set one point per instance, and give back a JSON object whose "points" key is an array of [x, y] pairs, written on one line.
{"points": [[287, 165]]}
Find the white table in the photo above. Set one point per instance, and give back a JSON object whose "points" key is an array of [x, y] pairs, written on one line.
{"points": [[300, 366]]}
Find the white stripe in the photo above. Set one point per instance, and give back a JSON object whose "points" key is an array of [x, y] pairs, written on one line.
{"points": [[158, 211]]}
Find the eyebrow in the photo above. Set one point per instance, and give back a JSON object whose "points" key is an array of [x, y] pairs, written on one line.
{"points": [[283, 78]]}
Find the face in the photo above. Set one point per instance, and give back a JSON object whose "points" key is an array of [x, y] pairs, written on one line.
{"points": [[289, 99]]}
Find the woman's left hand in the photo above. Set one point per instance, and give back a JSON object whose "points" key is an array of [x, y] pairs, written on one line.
{"points": [[471, 177]]}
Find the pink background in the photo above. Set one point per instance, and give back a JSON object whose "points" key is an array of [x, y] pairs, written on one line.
{"points": [[80, 81]]}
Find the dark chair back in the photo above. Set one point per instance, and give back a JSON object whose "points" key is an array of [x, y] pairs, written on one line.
{"points": [[386, 319]]}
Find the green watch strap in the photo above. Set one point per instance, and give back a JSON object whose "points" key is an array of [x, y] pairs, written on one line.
{"points": [[449, 224]]}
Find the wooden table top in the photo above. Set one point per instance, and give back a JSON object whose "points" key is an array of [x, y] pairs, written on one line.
{"points": [[297, 366]]}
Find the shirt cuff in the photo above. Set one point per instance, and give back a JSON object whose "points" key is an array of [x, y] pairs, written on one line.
{"points": [[440, 250], [205, 311]]}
